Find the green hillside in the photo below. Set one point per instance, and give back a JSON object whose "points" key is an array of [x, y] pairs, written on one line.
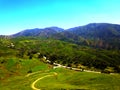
{"points": [[21, 76], [22, 62]]}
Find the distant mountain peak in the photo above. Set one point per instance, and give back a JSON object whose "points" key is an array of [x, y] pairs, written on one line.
{"points": [[97, 29], [39, 32], [55, 28]]}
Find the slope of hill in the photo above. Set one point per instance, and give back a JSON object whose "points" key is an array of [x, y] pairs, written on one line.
{"points": [[100, 35], [97, 30]]}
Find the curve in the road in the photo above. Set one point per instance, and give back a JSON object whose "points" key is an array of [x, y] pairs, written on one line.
{"points": [[33, 84]]}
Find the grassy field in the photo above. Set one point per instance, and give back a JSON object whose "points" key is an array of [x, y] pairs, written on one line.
{"points": [[68, 79], [13, 76]]}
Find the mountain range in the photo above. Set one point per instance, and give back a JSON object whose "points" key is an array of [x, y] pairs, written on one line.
{"points": [[104, 35], [93, 29]]}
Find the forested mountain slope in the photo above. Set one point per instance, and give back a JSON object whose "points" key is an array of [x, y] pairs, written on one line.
{"points": [[100, 35]]}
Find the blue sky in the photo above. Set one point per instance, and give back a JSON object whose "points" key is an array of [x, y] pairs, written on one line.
{"points": [[18, 15]]}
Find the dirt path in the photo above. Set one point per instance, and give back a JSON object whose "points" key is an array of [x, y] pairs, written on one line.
{"points": [[91, 71], [33, 84], [76, 69]]}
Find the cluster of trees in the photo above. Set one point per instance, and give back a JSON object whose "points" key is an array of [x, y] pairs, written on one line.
{"points": [[102, 43], [65, 53]]}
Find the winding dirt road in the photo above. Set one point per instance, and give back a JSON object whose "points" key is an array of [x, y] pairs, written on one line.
{"points": [[33, 84]]}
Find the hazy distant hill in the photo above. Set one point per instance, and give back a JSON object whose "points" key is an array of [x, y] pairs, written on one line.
{"points": [[39, 32]]}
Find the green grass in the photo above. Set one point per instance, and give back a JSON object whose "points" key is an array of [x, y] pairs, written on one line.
{"points": [[80, 80], [13, 71], [66, 79]]}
